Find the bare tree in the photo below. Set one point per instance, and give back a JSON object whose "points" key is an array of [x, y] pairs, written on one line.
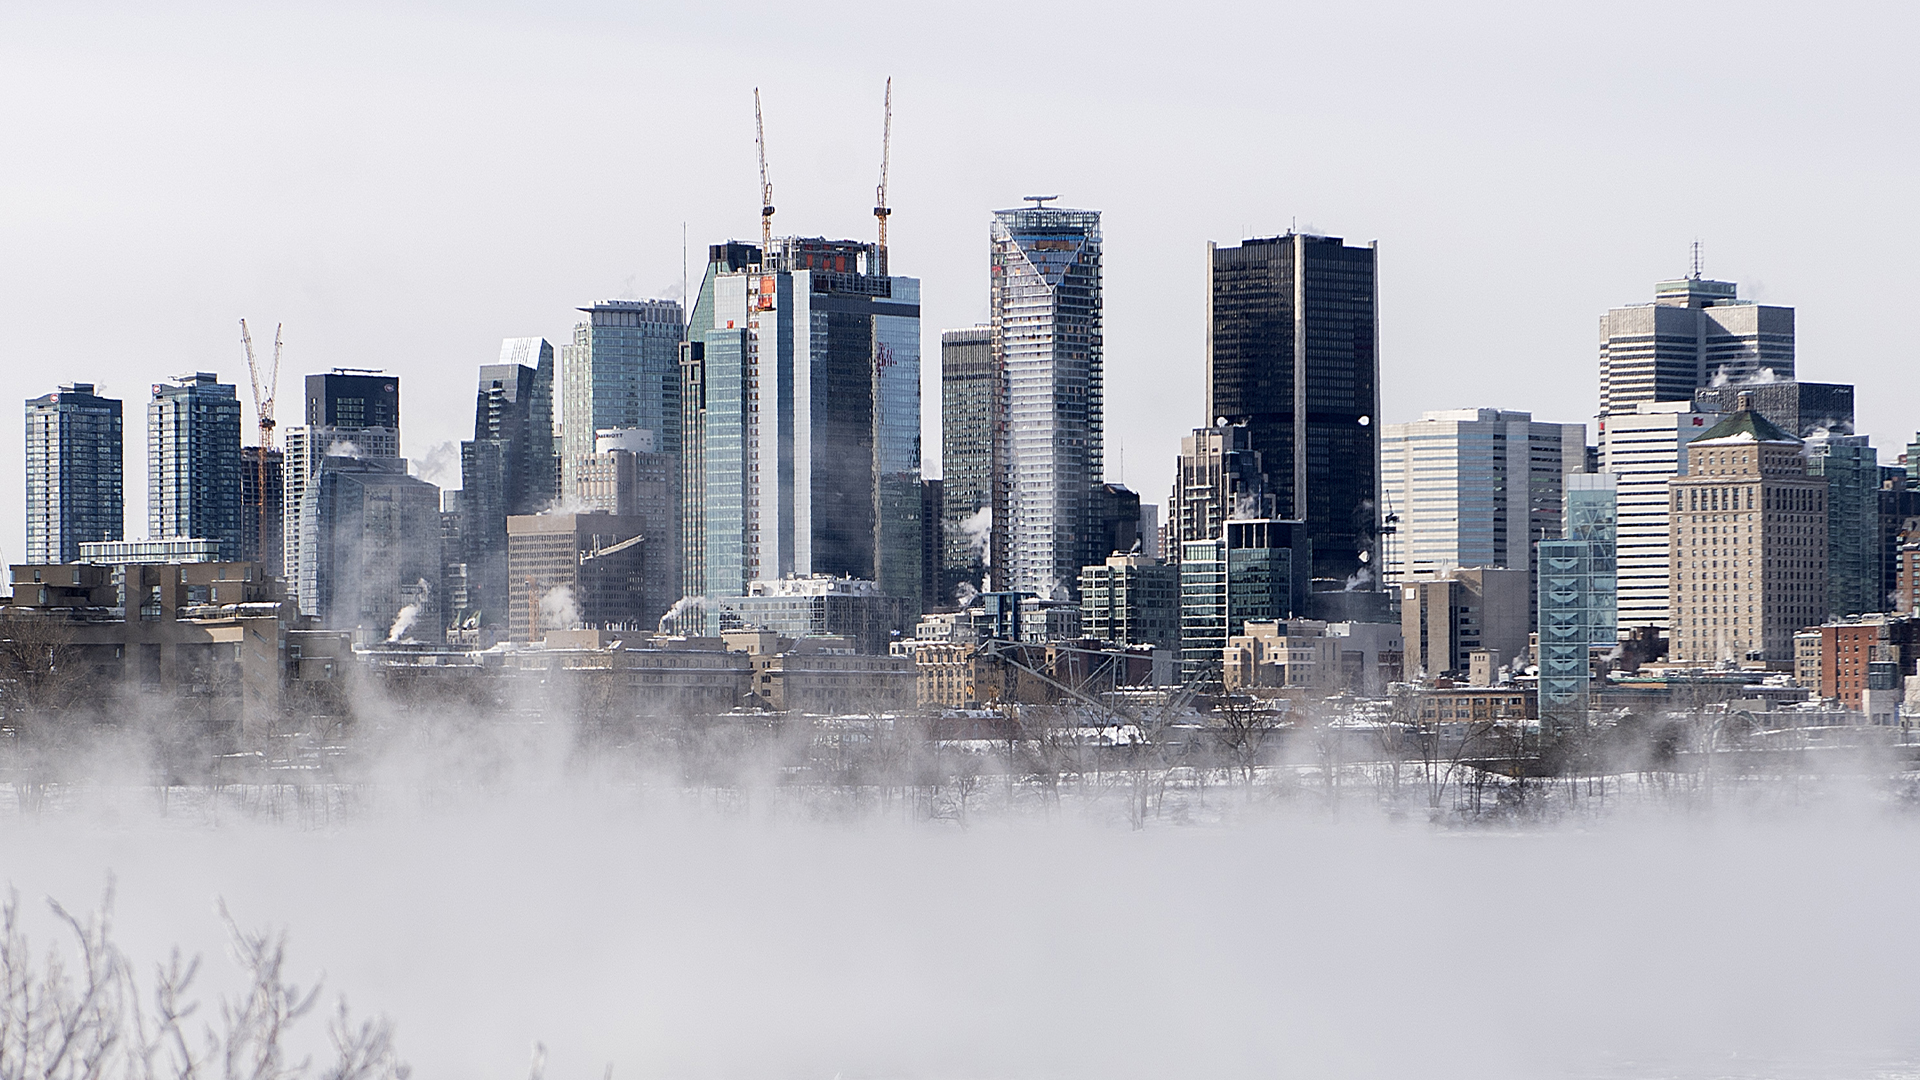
{"points": [[1245, 729], [86, 1022], [41, 684]]}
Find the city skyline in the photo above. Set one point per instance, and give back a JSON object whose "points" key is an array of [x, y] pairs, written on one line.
{"points": [[359, 236]]}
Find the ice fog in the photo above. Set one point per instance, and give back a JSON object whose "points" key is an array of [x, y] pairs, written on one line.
{"points": [[522, 895]]}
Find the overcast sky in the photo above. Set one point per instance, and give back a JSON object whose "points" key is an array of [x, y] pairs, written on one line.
{"points": [[405, 184]]}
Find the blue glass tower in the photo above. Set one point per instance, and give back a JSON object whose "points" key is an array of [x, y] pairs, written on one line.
{"points": [[1577, 602]]}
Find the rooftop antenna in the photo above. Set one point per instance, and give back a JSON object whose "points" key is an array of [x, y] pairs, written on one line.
{"points": [[766, 185], [880, 210], [1696, 260], [1039, 201]]}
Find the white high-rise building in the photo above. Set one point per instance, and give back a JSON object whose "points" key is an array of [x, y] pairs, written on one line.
{"points": [[1644, 445], [1474, 487], [1047, 349], [1696, 333]]}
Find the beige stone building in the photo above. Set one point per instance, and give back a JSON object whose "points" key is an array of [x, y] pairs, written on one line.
{"points": [[1748, 533]]}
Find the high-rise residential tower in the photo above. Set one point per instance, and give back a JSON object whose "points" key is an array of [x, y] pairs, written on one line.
{"points": [[262, 507], [970, 463], [1048, 353], [194, 470], [75, 486], [1292, 352], [1219, 477], [1474, 487], [507, 467], [621, 371], [1695, 332], [808, 371]]}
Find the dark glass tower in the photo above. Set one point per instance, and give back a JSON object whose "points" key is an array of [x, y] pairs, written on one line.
{"points": [[970, 459], [1292, 352], [75, 488], [351, 398], [507, 467], [194, 468]]}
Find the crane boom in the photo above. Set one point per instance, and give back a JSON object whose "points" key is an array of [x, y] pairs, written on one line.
{"points": [[880, 211], [766, 185], [263, 395]]}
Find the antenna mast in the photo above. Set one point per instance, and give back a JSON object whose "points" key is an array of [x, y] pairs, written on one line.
{"points": [[1697, 268], [880, 211], [766, 185]]}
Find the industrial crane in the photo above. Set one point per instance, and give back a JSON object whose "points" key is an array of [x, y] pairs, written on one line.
{"points": [[263, 410], [766, 185], [880, 210]]}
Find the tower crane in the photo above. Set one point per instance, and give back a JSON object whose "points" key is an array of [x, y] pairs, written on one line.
{"points": [[880, 210], [263, 395], [766, 185]]}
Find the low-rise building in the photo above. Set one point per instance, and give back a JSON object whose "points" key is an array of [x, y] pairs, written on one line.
{"points": [[820, 606], [219, 634], [1444, 620], [1314, 656], [1132, 600], [1869, 653], [1495, 704]]}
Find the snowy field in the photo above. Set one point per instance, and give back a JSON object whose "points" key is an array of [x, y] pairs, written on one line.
{"points": [[674, 936]]}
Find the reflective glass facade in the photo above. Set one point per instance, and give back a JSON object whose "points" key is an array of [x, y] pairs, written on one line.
{"points": [[970, 465], [622, 370], [1048, 350], [193, 462], [1576, 601], [1292, 353], [809, 372], [75, 484], [507, 467]]}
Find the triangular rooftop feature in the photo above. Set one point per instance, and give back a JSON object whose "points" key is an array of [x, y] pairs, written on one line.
{"points": [[1747, 426]]}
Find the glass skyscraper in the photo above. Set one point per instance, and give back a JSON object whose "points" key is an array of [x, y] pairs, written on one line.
{"points": [[621, 371], [75, 486], [1292, 352], [970, 402], [350, 413], [1577, 598], [809, 374], [193, 462], [507, 467], [1048, 353], [1856, 566]]}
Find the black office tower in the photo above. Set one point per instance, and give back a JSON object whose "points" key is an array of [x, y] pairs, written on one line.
{"points": [[353, 398], [1292, 352], [506, 469]]}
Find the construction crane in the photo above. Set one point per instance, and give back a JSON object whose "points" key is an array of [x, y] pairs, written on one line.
{"points": [[880, 211], [263, 411], [766, 185]]}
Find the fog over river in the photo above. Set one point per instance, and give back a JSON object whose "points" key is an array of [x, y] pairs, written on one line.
{"points": [[670, 937]]}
